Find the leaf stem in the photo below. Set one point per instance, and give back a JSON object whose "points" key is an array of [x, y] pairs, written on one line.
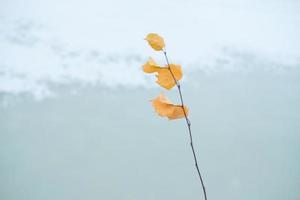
{"points": [[188, 122]]}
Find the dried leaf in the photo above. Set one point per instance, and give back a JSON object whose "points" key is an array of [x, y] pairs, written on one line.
{"points": [[165, 108], [166, 79], [150, 66], [155, 41], [164, 76]]}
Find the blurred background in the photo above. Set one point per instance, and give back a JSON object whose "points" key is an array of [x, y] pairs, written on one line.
{"points": [[75, 118]]}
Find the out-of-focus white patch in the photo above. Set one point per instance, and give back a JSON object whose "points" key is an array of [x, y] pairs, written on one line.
{"points": [[99, 43]]}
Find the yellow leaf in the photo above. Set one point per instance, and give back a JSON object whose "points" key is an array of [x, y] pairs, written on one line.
{"points": [[164, 76], [165, 108], [155, 41], [178, 112], [150, 66]]}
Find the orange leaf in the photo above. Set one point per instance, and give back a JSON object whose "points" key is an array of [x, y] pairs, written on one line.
{"points": [[166, 79], [164, 76], [165, 108], [155, 41], [150, 66]]}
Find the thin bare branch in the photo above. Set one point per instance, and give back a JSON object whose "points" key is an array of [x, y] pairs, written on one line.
{"points": [[188, 122]]}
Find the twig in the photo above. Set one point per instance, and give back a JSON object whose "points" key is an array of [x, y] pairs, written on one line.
{"points": [[188, 122]]}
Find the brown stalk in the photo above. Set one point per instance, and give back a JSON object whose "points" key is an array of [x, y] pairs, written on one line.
{"points": [[188, 122]]}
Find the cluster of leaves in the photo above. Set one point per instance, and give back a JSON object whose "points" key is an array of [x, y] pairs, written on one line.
{"points": [[167, 77]]}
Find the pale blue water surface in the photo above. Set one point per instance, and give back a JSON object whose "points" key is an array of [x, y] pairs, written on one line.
{"points": [[75, 118]]}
